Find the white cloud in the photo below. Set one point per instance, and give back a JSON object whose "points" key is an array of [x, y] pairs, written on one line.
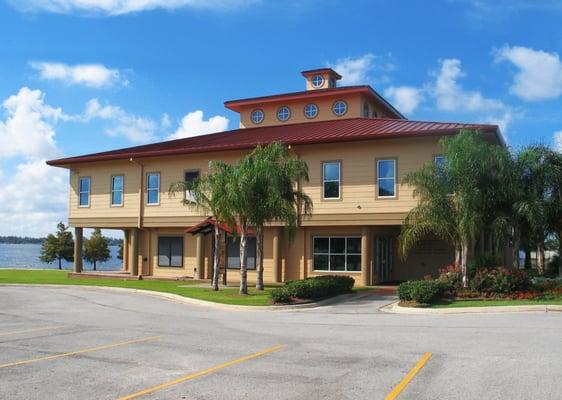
{"points": [[558, 141], [354, 70], [119, 7], [91, 75], [193, 124], [405, 98], [165, 121], [539, 75], [134, 128]]}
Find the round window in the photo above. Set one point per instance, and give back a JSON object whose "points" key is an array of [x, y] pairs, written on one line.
{"points": [[310, 110], [317, 81], [284, 113], [339, 108], [257, 116]]}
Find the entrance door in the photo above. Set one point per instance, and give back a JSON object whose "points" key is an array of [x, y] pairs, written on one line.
{"points": [[384, 258]]}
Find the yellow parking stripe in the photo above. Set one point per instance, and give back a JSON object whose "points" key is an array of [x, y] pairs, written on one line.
{"points": [[45, 328], [73, 353], [200, 373], [413, 372]]}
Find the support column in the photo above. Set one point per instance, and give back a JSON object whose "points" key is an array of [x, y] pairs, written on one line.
{"points": [[199, 256], [125, 249], [134, 236], [78, 236], [365, 257], [276, 256]]}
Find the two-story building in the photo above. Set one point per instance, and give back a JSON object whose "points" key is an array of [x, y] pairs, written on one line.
{"points": [[357, 147]]}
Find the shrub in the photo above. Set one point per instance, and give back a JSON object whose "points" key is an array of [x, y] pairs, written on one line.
{"points": [[499, 281], [313, 288], [481, 261], [451, 278], [422, 292], [552, 267]]}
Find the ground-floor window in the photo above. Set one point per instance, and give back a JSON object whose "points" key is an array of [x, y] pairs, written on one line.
{"points": [[341, 253], [170, 251], [233, 252]]}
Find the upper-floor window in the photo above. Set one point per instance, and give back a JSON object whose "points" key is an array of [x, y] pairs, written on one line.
{"points": [[366, 110], [317, 81], [284, 113], [257, 116], [189, 178], [331, 176], [339, 108], [386, 178], [84, 191], [153, 188], [117, 190], [310, 110]]}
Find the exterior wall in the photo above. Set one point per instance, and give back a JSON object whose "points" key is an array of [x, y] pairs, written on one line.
{"points": [[354, 110]]}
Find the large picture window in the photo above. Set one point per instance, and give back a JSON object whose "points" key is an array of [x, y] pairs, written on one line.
{"points": [[337, 253], [153, 188], [233, 252], [386, 178], [84, 192], [170, 251], [331, 176], [117, 190]]}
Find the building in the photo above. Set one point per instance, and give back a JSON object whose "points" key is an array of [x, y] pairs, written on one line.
{"points": [[357, 147]]}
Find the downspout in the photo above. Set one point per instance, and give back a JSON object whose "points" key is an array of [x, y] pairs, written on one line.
{"points": [[141, 193]]}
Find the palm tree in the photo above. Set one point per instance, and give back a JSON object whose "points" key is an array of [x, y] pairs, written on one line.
{"points": [[276, 194], [209, 194], [554, 177]]}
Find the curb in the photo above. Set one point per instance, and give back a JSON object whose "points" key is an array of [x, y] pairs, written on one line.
{"points": [[394, 308], [188, 300]]}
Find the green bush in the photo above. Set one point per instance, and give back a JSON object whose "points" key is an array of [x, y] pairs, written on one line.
{"points": [[313, 288], [552, 267], [422, 292], [499, 281], [451, 278], [481, 261]]}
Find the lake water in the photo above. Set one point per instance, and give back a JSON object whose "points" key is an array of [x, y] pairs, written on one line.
{"points": [[27, 256]]}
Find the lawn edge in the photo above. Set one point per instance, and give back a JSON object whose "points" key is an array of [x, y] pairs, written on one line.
{"points": [[395, 308]]}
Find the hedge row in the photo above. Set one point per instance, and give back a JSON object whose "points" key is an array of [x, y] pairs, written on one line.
{"points": [[312, 288]]}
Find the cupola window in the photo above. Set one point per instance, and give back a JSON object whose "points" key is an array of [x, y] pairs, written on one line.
{"points": [[317, 81]]}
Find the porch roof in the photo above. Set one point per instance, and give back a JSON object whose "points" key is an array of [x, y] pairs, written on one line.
{"points": [[208, 225]]}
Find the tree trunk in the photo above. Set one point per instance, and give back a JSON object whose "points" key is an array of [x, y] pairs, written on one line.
{"points": [[464, 264], [515, 250], [60, 263], [216, 259], [94, 265], [457, 256], [540, 258], [528, 263], [243, 260], [259, 257]]}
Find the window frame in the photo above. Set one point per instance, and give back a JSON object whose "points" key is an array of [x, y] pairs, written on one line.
{"points": [[323, 181], [80, 191], [306, 115], [185, 171], [112, 190], [317, 85], [334, 108], [262, 116], [170, 251], [329, 254], [148, 174], [378, 178], [288, 113], [229, 237]]}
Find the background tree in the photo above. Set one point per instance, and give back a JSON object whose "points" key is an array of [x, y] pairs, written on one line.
{"points": [[59, 246], [120, 250], [96, 248], [276, 194], [209, 194], [554, 163]]}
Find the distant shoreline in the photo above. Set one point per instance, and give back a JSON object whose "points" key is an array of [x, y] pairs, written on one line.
{"points": [[30, 240]]}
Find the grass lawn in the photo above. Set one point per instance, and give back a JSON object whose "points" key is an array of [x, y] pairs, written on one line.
{"points": [[491, 303], [225, 296]]}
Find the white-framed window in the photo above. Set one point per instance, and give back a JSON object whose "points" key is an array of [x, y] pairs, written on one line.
{"points": [[153, 188], [336, 253], [283, 113], [339, 108], [117, 186], [310, 111], [189, 178], [170, 251], [84, 191], [386, 178], [257, 116], [317, 81], [331, 177]]}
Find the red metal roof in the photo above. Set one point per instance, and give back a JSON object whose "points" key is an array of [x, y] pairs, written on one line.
{"points": [[237, 105], [341, 130], [208, 224]]}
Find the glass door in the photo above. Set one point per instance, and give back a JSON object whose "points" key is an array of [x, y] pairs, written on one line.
{"points": [[384, 258]]}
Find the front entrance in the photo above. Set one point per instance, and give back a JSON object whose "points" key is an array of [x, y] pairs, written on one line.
{"points": [[384, 258]]}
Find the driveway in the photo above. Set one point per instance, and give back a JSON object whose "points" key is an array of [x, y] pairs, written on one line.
{"points": [[79, 343]]}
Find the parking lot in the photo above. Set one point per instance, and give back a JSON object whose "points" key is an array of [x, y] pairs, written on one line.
{"points": [[79, 343]]}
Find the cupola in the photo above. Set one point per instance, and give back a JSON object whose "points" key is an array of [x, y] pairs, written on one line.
{"points": [[322, 78]]}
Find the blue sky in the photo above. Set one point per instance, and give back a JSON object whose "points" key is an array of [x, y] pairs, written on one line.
{"points": [[80, 76]]}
